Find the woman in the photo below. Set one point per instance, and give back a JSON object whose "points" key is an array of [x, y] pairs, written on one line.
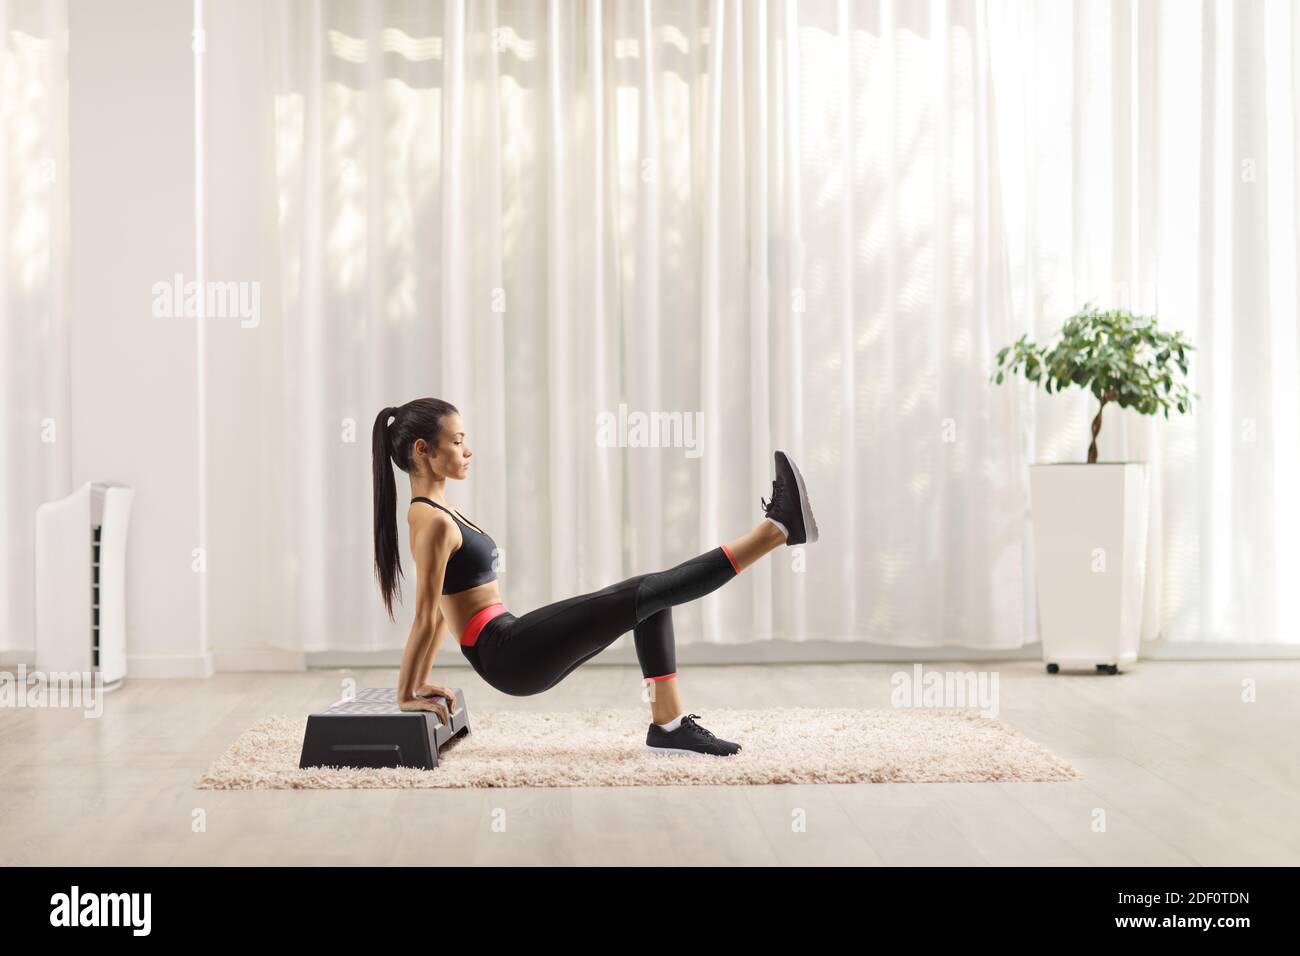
{"points": [[456, 584]]}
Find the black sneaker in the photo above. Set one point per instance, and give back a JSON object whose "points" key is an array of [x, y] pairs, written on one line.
{"points": [[790, 505], [688, 738]]}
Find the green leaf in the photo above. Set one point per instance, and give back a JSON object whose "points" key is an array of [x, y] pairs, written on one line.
{"points": [[1112, 353]]}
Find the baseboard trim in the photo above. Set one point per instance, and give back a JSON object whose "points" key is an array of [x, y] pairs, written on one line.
{"points": [[137, 665], [623, 653], [152, 666], [834, 652], [263, 659]]}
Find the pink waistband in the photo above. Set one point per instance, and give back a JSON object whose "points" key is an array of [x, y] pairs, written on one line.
{"points": [[478, 621]]}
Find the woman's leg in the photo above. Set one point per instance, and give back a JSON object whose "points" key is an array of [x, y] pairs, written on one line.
{"points": [[707, 572], [656, 647], [544, 646], [656, 651], [539, 649], [749, 547]]}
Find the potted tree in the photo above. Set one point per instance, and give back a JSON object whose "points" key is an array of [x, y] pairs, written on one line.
{"points": [[1090, 518]]}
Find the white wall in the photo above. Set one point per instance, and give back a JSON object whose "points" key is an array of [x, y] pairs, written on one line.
{"points": [[134, 397]]}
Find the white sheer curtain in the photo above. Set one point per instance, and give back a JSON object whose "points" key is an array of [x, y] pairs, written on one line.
{"points": [[811, 223], [783, 217], [35, 451], [1152, 164]]}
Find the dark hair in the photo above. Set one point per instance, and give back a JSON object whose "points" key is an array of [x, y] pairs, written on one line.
{"points": [[391, 445]]}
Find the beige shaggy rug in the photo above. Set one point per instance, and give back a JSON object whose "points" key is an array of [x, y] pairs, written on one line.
{"points": [[606, 748]]}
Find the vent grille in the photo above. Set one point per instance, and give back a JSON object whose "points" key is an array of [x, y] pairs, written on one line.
{"points": [[94, 595]]}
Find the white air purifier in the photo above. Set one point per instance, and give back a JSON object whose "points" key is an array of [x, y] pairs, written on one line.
{"points": [[81, 582]]}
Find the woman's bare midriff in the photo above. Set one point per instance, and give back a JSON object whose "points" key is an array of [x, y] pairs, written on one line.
{"points": [[458, 608]]}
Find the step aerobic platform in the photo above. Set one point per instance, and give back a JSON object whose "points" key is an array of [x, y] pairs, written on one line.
{"points": [[371, 731]]}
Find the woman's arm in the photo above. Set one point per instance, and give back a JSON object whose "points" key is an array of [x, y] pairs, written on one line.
{"points": [[431, 545], [439, 633]]}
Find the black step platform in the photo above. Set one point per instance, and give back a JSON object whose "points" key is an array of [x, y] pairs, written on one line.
{"points": [[370, 731]]}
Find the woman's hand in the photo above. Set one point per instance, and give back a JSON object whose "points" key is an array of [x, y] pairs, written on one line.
{"points": [[427, 704], [427, 691]]}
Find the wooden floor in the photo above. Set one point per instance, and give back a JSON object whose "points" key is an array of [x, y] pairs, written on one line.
{"points": [[1183, 770]]}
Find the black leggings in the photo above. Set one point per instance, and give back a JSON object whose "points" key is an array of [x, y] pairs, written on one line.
{"points": [[530, 654]]}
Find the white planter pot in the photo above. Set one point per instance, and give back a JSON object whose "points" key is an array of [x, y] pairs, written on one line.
{"points": [[1090, 527]]}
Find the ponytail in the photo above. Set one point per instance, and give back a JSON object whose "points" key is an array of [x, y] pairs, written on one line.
{"points": [[391, 445], [388, 562]]}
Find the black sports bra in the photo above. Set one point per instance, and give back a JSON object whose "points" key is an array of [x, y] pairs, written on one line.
{"points": [[471, 564]]}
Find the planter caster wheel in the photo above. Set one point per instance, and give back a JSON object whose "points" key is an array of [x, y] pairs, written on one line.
{"points": [[1108, 668], [1053, 668]]}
